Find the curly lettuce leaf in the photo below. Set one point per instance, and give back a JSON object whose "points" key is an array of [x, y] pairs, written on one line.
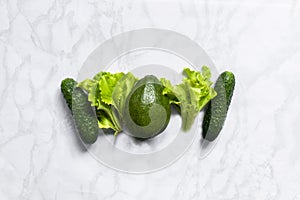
{"points": [[99, 75], [121, 92], [188, 102], [91, 87], [191, 95], [107, 85], [100, 90], [201, 85], [168, 91], [104, 121]]}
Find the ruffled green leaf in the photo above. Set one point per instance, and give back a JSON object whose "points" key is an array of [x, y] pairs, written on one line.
{"points": [[168, 91], [191, 95], [105, 115], [122, 90], [91, 87], [201, 85], [107, 85], [104, 120]]}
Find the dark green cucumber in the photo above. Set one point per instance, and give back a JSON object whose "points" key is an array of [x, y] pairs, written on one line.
{"points": [[217, 108], [83, 113], [67, 86]]}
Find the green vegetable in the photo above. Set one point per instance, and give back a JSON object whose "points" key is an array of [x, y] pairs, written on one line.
{"points": [[191, 95], [144, 105], [67, 87], [107, 85], [147, 111], [83, 114], [105, 92], [121, 92], [217, 109], [85, 117]]}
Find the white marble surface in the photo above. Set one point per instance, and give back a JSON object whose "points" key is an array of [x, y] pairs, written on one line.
{"points": [[257, 156]]}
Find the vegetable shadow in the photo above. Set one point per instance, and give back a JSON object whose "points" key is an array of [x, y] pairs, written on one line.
{"points": [[206, 147]]}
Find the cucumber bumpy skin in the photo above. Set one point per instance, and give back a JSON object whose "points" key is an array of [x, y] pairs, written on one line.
{"points": [[84, 116], [67, 86], [217, 108]]}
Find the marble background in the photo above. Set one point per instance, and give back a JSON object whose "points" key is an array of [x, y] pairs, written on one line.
{"points": [[44, 41]]}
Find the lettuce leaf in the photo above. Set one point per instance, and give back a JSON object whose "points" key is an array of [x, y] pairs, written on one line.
{"points": [[107, 85], [91, 87], [100, 90], [188, 102], [108, 93], [201, 85], [121, 92], [104, 120], [168, 91], [191, 95]]}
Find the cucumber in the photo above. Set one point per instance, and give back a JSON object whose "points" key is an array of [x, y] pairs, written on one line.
{"points": [[67, 87], [217, 108], [83, 113]]}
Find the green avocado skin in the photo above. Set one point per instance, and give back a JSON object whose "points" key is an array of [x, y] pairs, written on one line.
{"points": [[139, 109], [149, 111], [217, 108], [83, 113]]}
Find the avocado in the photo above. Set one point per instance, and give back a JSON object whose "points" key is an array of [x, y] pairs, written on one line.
{"points": [[147, 111], [216, 112]]}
